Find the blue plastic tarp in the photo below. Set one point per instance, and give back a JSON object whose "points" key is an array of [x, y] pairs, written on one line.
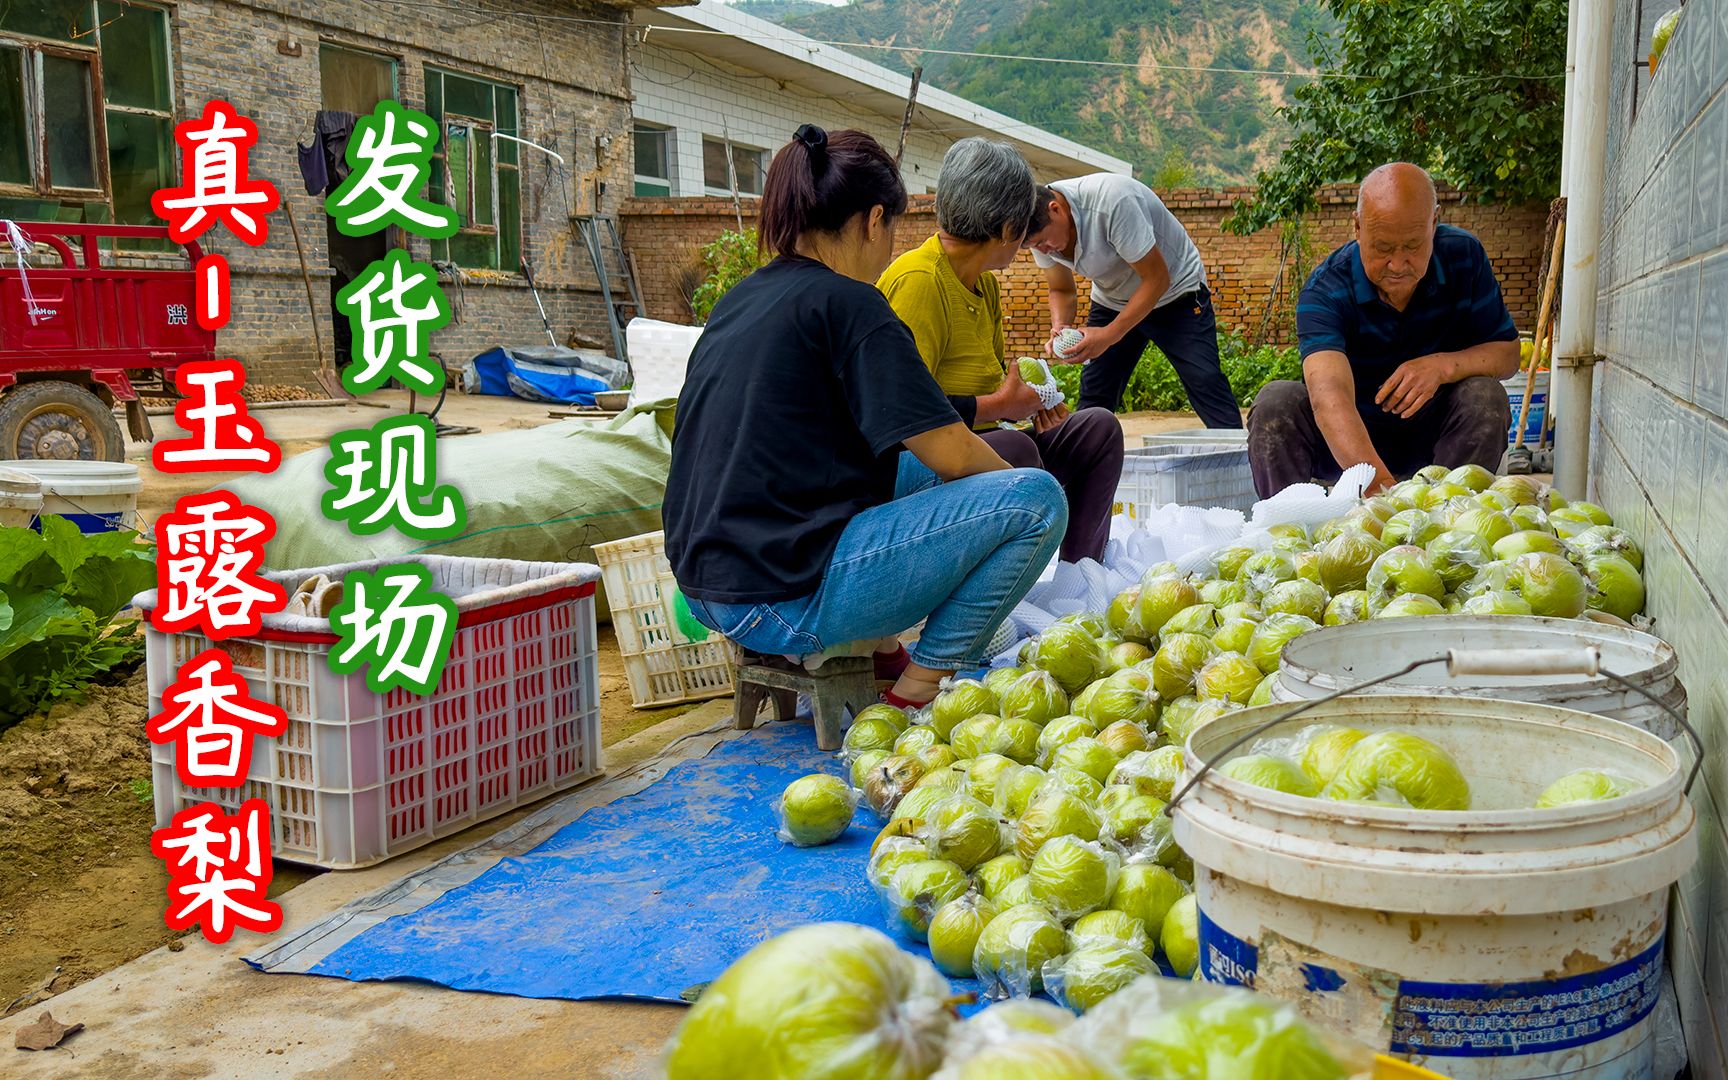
{"points": [[642, 898]]}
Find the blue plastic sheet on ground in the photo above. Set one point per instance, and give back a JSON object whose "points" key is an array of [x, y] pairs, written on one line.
{"points": [[643, 898]]}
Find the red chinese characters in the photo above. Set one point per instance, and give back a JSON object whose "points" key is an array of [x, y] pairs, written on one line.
{"points": [[224, 436], [218, 870], [217, 186], [210, 549], [210, 717]]}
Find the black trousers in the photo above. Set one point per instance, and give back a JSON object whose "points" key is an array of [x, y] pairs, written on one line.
{"points": [[1186, 331], [1084, 453], [1465, 423]]}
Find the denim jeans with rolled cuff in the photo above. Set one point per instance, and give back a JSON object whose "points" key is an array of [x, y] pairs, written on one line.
{"points": [[962, 553]]}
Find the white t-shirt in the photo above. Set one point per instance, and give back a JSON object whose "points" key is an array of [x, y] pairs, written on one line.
{"points": [[1117, 220]]}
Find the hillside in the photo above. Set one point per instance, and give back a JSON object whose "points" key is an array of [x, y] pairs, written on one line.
{"points": [[1177, 127]]}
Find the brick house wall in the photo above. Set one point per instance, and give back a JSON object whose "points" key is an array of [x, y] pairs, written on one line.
{"points": [[241, 52], [1659, 438], [666, 235]]}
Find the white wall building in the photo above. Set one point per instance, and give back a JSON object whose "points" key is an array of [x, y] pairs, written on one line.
{"points": [[708, 72]]}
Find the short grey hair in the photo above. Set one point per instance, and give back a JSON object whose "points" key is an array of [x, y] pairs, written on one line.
{"points": [[985, 191]]}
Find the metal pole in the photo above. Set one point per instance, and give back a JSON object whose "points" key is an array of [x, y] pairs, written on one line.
{"points": [[1585, 161], [906, 121]]}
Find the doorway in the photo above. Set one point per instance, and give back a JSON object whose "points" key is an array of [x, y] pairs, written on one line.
{"points": [[353, 82]]}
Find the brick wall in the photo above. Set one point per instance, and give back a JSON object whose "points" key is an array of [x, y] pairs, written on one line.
{"points": [[235, 51], [1659, 441], [665, 235]]}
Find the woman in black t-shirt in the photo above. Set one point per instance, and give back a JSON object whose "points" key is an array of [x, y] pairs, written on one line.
{"points": [[781, 522]]}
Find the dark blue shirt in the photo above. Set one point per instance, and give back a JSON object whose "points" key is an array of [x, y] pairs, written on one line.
{"points": [[1457, 305]]}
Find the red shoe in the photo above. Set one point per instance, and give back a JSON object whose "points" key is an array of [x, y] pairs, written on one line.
{"points": [[890, 666]]}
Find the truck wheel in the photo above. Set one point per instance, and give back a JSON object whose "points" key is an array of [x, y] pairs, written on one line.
{"points": [[58, 420]]}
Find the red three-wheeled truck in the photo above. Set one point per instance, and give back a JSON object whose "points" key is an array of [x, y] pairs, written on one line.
{"points": [[83, 331]]}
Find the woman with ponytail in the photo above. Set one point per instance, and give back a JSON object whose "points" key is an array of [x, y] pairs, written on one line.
{"points": [[781, 522]]}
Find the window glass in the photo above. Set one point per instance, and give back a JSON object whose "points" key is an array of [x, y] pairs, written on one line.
{"points": [[135, 57], [714, 165], [140, 161], [747, 165], [651, 153], [62, 20], [70, 122], [510, 219], [475, 173], [465, 97], [14, 129]]}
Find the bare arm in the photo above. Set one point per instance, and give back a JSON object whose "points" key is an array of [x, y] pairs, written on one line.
{"points": [[1332, 392], [1014, 400], [1154, 280], [953, 452], [1064, 298], [1414, 383]]}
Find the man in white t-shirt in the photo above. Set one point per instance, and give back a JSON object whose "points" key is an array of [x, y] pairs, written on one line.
{"points": [[1148, 284]]}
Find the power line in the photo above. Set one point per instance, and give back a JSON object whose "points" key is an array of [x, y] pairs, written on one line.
{"points": [[800, 39]]}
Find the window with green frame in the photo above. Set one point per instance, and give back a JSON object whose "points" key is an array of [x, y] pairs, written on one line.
{"points": [[480, 176], [86, 111]]}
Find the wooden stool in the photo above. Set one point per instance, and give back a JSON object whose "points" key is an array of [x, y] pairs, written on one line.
{"points": [[841, 683]]}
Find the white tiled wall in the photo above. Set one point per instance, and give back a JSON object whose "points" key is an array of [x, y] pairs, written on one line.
{"points": [[1659, 450], [691, 94]]}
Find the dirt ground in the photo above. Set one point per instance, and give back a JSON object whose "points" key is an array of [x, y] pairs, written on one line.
{"points": [[80, 891]]}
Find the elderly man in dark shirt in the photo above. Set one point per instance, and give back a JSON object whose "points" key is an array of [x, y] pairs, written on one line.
{"points": [[1404, 337]]}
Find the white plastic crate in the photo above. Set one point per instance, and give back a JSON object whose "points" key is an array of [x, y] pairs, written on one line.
{"points": [[659, 352], [358, 776], [665, 666], [1192, 474]]}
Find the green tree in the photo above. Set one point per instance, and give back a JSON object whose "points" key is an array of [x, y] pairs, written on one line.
{"points": [[1473, 90]]}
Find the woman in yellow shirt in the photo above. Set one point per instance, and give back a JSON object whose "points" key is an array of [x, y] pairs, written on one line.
{"points": [[945, 292]]}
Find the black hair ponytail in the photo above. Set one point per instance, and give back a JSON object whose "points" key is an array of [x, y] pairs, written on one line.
{"points": [[820, 181]]}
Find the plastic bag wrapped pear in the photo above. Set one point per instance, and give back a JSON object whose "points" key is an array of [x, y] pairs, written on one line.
{"points": [[954, 932], [814, 810], [1071, 876], [829, 999], [1011, 953], [1585, 785], [1150, 772], [1400, 769], [1091, 972], [1158, 1029], [963, 831], [961, 699], [1267, 771], [916, 891]]}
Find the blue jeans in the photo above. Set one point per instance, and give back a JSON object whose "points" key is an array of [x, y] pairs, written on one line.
{"points": [[962, 554]]}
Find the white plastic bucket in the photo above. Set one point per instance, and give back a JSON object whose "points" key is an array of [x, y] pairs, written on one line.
{"points": [[20, 498], [1493, 944], [96, 496], [1326, 661]]}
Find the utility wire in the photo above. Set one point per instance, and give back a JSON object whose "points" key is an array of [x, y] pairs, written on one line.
{"points": [[801, 40]]}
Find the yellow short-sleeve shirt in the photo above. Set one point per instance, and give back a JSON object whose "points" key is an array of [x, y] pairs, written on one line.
{"points": [[958, 331]]}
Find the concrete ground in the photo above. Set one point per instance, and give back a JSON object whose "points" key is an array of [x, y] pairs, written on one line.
{"points": [[200, 1011]]}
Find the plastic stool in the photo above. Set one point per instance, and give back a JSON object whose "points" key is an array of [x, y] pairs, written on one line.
{"points": [[839, 684]]}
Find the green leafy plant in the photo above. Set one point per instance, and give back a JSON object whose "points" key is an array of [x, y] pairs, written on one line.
{"points": [[1469, 89], [728, 260], [142, 790], [61, 594], [1154, 385]]}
